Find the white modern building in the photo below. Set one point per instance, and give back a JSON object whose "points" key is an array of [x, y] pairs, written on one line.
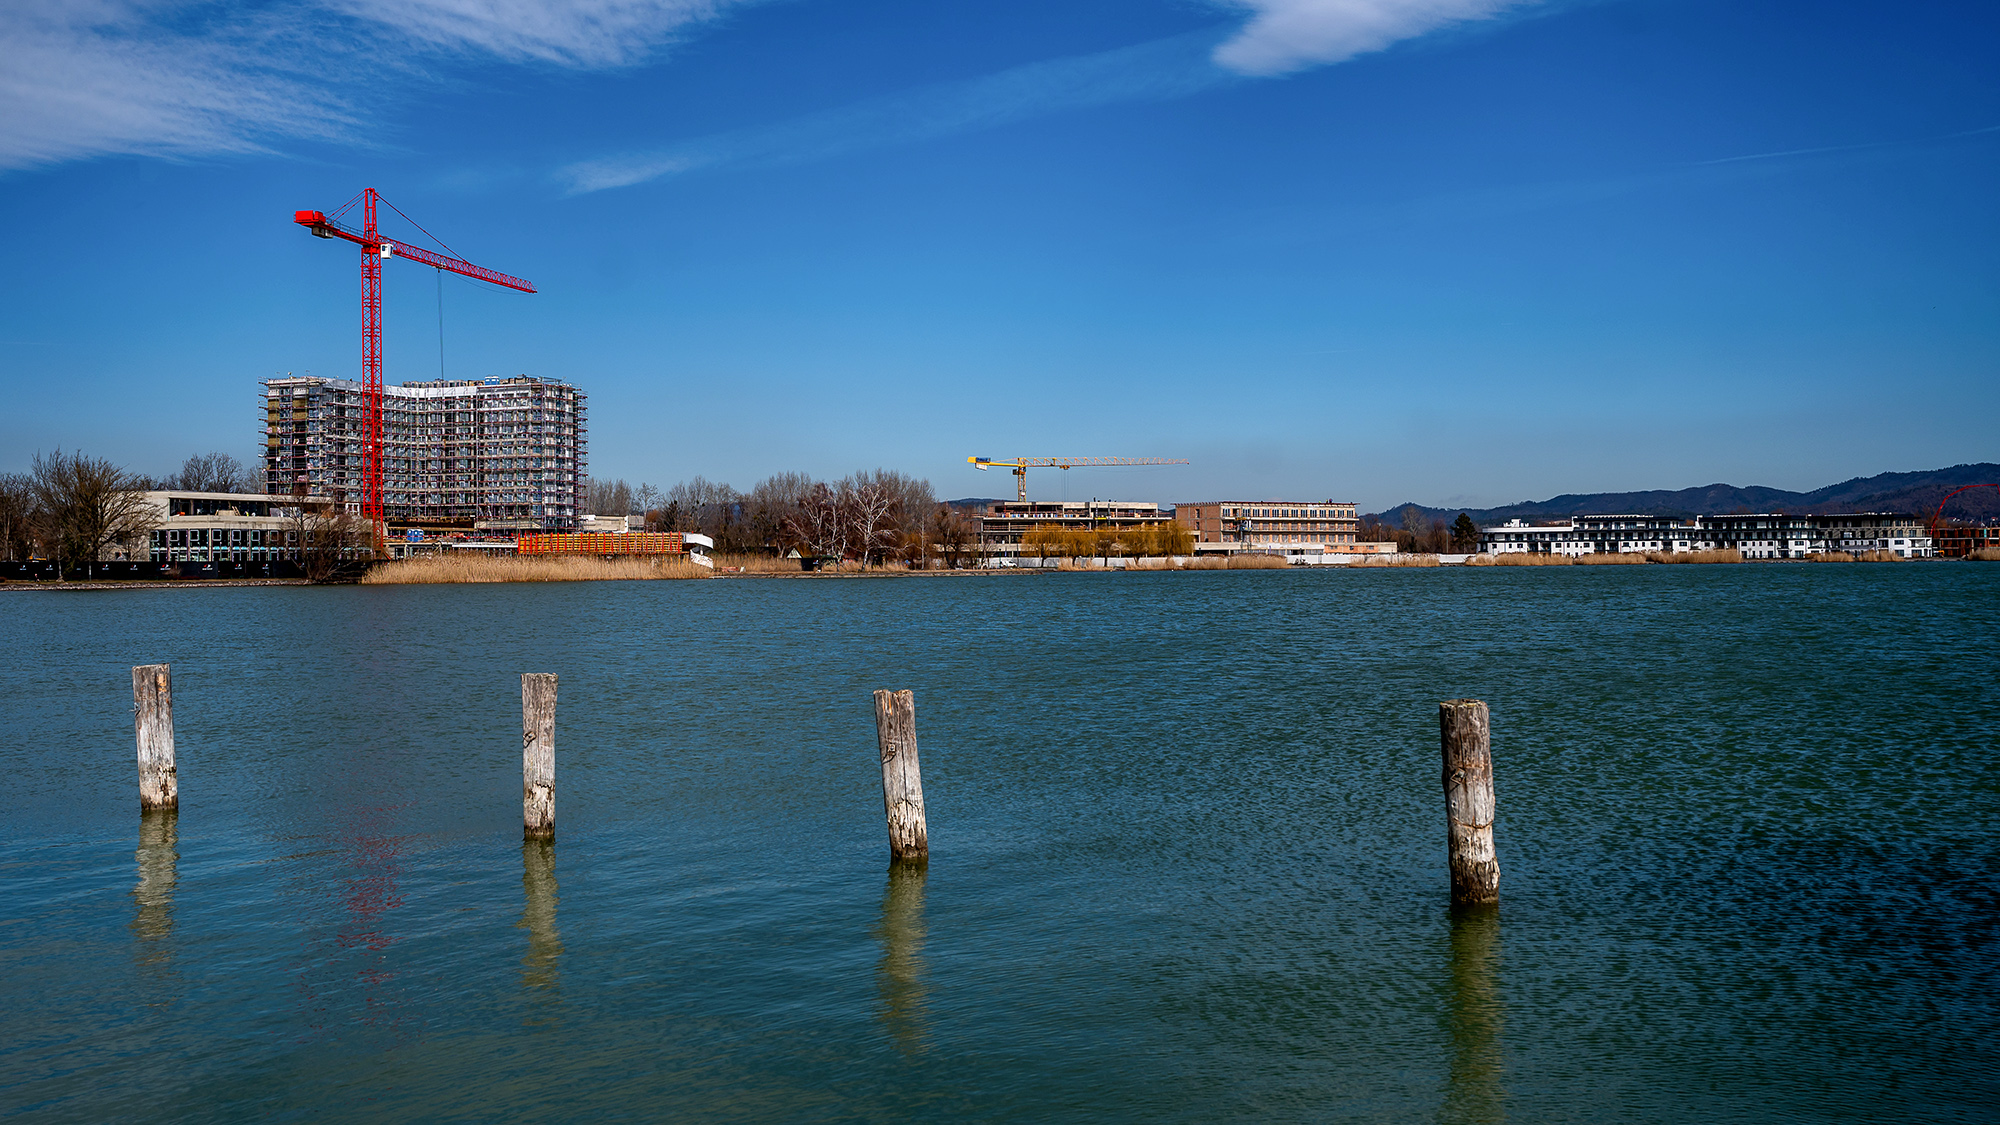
{"points": [[1764, 535]]}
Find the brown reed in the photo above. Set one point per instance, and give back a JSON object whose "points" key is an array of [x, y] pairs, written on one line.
{"points": [[1520, 558], [1374, 561], [1727, 555]]}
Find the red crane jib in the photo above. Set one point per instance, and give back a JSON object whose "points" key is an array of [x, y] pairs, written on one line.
{"points": [[319, 224], [374, 248]]}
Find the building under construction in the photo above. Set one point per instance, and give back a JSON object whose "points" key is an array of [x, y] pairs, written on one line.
{"points": [[507, 454]]}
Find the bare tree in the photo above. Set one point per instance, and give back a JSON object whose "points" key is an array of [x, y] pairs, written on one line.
{"points": [[322, 536], [608, 497], [713, 509], [953, 532], [819, 523], [86, 505], [212, 472], [870, 507], [18, 513], [772, 507], [888, 509]]}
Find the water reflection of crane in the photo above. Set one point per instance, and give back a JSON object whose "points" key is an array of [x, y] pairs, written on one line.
{"points": [[1021, 465]]}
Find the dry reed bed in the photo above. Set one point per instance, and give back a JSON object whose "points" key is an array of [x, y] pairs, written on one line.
{"points": [[1235, 562], [508, 568], [1374, 561], [757, 564], [1531, 559], [1239, 562], [1985, 554], [1633, 558]]}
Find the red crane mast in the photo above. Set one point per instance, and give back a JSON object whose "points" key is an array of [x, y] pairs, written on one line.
{"points": [[374, 248]]}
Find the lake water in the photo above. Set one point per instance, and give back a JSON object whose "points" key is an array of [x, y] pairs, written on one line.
{"points": [[1187, 851]]}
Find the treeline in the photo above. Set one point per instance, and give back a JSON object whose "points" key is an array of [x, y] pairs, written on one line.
{"points": [[70, 508], [872, 518], [1155, 541], [212, 472], [1416, 533]]}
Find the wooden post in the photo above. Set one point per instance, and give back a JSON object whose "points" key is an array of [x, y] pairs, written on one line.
{"points": [[902, 785], [1466, 736], [538, 755], [153, 723]]}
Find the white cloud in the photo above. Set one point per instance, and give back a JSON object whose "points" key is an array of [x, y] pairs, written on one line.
{"points": [[81, 78], [1288, 35], [586, 33]]}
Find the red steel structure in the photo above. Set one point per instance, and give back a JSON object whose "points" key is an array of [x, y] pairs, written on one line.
{"points": [[1939, 531], [374, 248]]}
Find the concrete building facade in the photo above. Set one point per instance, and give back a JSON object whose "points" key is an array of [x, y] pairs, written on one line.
{"points": [[202, 527], [1271, 525], [498, 453]]}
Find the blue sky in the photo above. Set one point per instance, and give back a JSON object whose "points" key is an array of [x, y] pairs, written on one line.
{"points": [[1452, 251]]}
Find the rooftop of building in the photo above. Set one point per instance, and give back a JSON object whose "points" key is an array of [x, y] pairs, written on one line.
{"points": [[417, 384], [1078, 506], [1208, 503]]}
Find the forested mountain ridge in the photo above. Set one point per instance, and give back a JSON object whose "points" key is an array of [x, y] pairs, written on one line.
{"points": [[1916, 493]]}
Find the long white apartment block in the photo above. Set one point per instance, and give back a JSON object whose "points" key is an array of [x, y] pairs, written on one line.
{"points": [[1761, 535]]}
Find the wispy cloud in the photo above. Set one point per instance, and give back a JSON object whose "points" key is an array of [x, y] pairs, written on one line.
{"points": [[81, 78], [585, 33], [1162, 69], [1865, 146], [1286, 35], [1281, 36]]}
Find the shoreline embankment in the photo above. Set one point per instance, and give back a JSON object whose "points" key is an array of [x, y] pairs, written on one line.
{"points": [[473, 570]]}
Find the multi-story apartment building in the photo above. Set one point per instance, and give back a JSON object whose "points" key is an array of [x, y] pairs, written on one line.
{"points": [[1005, 523], [505, 453], [1766, 535], [1270, 524]]}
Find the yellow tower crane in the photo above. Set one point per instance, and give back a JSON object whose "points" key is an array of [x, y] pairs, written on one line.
{"points": [[1021, 465]]}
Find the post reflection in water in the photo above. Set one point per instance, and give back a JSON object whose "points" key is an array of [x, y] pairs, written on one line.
{"points": [[899, 975], [538, 915], [1474, 1014], [159, 857]]}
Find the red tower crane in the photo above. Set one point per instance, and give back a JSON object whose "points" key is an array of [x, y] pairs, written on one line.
{"points": [[374, 248]]}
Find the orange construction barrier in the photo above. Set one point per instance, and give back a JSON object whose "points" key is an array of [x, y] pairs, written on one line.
{"points": [[604, 543]]}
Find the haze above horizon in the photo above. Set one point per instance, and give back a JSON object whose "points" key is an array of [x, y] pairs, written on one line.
{"points": [[1458, 251]]}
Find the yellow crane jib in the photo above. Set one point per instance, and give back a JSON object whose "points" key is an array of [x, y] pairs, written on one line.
{"points": [[1021, 465]]}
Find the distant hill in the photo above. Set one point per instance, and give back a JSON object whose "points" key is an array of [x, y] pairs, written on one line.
{"points": [[1916, 493]]}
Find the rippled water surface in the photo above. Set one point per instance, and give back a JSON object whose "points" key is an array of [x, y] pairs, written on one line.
{"points": [[1187, 840]]}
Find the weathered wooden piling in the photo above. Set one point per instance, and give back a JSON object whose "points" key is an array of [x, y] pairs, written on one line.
{"points": [[1466, 737], [153, 725], [538, 755], [902, 785]]}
